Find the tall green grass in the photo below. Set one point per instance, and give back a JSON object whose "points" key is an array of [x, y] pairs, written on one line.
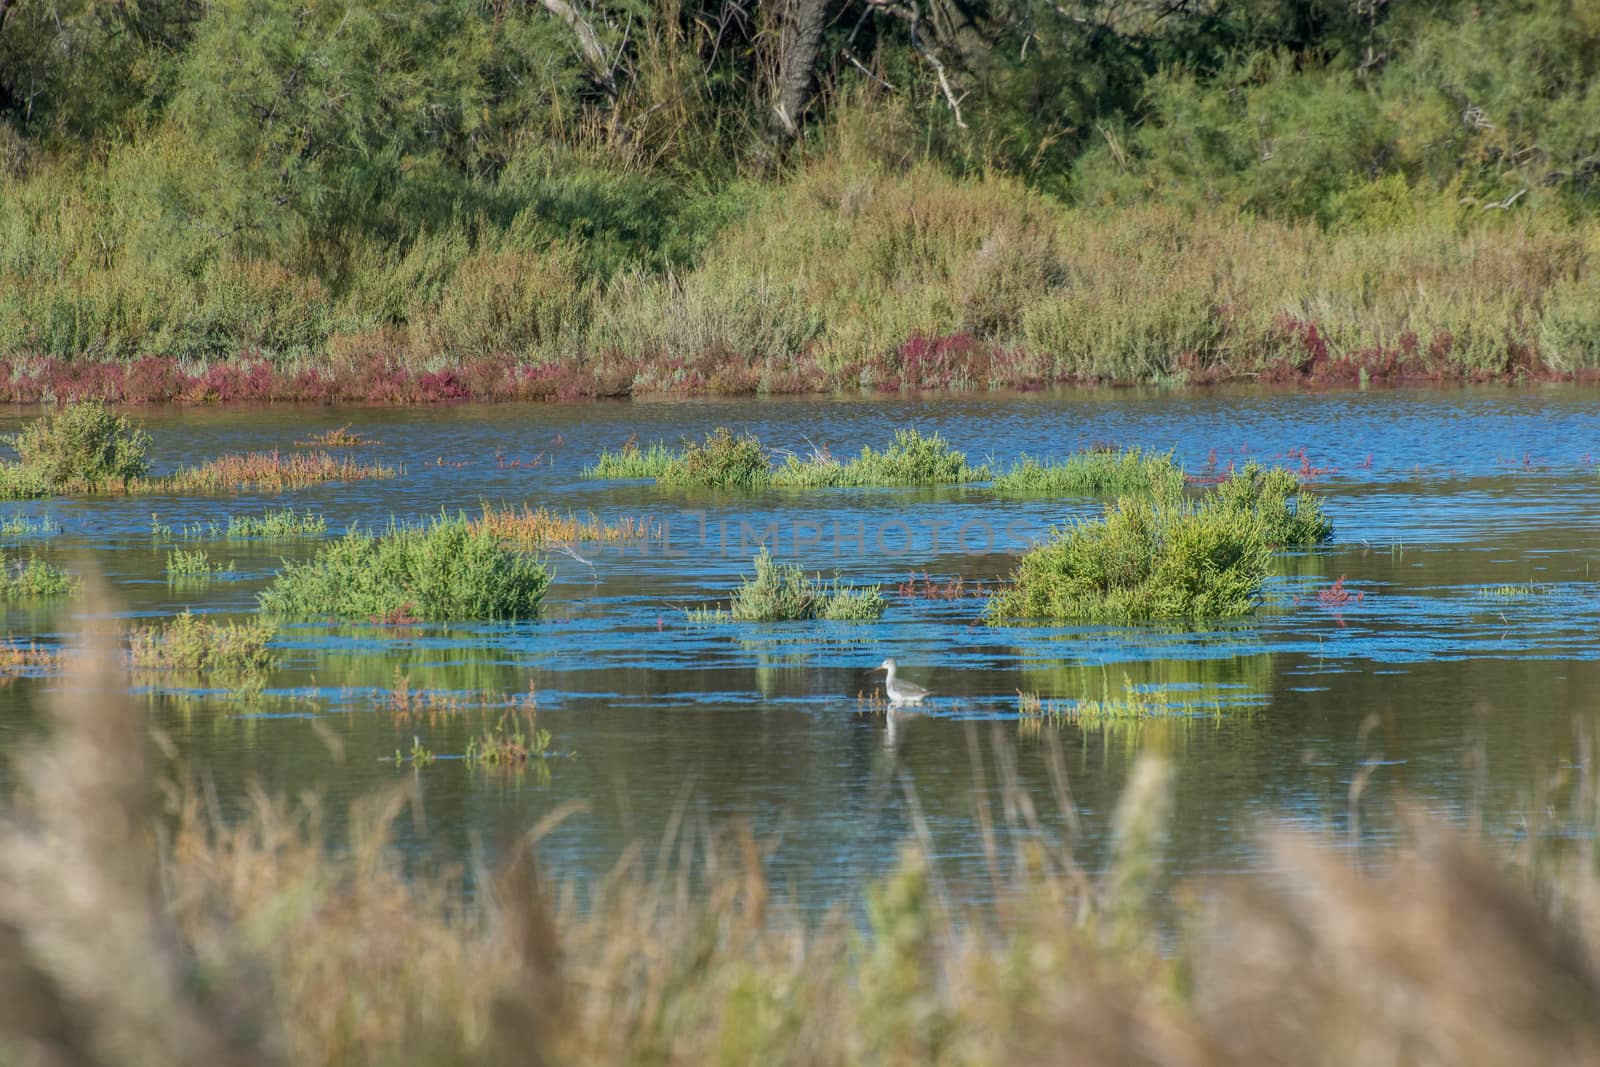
{"points": [[781, 592], [911, 459], [1098, 472], [442, 570]]}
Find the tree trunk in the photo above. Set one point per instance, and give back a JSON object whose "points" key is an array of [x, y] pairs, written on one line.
{"points": [[799, 46]]}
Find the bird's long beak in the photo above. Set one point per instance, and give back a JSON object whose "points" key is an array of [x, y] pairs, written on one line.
{"points": [[879, 667]]}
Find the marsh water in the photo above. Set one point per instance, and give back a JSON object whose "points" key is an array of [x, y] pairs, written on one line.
{"points": [[1456, 672]]}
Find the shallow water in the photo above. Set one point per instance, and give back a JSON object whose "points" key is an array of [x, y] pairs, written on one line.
{"points": [[1424, 687]]}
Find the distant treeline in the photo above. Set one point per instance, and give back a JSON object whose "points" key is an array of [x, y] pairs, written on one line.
{"points": [[785, 194]]}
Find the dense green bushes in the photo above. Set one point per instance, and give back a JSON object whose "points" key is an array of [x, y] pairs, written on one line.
{"points": [[445, 203], [445, 570], [1166, 558], [79, 447]]}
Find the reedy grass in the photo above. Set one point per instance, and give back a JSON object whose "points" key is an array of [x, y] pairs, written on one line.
{"points": [[28, 526], [336, 953], [911, 459], [445, 569], [1097, 472], [17, 658], [275, 525], [516, 737], [632, 462], [536, 527], [270, 471], [237, 652], [782, 592], [193, 566]]}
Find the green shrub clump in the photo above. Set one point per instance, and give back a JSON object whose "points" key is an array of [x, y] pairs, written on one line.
{"points": [[1142, 560], [912, 459], [189, 642], [34, 580], [81, 446], [448, 569], [1290, 516], [1167, 559], [1097, 472], [781, 592], [723, 461]]}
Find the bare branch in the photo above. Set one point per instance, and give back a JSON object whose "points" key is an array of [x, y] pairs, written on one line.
{"points": [[588, 43], [911, 15]]}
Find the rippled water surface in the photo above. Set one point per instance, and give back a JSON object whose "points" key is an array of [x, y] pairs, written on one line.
{"points": [[1426, 682]]}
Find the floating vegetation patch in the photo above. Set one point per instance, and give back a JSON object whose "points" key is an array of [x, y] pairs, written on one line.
{"points": [[782, 592], [271, 471], [912, 459], [514, 739], [237, 652], [1133, 702], [1166, 559], [17, 659], [338, 437], [632, 462], [1097, 472], [36, 579], [79, 448], [447, 569], [724, 460], [532, 527], [1516, 591], [14, 526], [193, 566]]}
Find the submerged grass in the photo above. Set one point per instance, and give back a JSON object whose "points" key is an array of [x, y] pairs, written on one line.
{"points": [[338, 953], [1133, 702], [198, 644], [781, 592], [516, 737], [446, 569], [1097, 472]]}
